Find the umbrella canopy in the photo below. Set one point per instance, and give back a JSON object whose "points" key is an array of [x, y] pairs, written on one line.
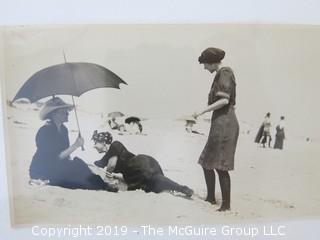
{"points": [[68, 79], [115, 114], [132, 119]]}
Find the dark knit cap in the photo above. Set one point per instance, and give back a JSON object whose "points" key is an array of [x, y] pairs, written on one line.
{"points": [[211, 55]]}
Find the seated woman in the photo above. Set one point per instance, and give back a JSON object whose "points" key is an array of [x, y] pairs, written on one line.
{"points": [[52, 160], [138, 171]]}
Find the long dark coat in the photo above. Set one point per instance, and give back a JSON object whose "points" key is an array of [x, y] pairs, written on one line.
{"points": [[280, 136]]}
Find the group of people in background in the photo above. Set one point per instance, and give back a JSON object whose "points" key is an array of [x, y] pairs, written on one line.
{"points": [[264, 133], [133, 126]]}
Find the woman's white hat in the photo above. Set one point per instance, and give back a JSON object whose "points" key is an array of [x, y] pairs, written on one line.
{"points": [[53, 104]]}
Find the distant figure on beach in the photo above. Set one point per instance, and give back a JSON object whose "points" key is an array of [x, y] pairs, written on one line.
{"points": [[138, 171], [266, 135], [263, 134], [259, 134], [135, 125], [218, 154], [140, 127], [52, 163], [280, 134], [189, 126], [116, 126]]}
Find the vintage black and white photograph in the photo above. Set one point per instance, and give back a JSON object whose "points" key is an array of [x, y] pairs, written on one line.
{"points": [[161, 123]]}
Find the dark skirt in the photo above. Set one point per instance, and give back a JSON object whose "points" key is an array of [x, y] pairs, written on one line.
{"points": [[278, 144], [144, 172], [65, 173], [139, 171], [222, 141]]}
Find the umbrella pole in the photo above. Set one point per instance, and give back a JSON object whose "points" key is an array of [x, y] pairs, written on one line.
{"points": [[74, 105], [75, 111]]}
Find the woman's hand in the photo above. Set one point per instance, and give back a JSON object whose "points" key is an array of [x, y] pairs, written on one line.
{"points": [[79, 142], [66, 153], [210, 108], [114, 175], [196, 115], [109, 174]]}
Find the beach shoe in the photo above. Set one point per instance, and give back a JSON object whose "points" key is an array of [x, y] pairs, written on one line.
{"points": [[211, 200], [187, 191], [111, 188], [224, 207], [38, 182]]}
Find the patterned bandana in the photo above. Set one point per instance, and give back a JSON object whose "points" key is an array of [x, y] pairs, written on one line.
{"points": [[105, 137]]}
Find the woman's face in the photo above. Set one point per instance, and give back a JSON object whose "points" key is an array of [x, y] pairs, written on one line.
{"points": [[101, 147], [211, 67], [61, 115]]}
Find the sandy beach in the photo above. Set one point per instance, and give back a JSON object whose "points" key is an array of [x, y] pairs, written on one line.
{"points": [[267, 184]]}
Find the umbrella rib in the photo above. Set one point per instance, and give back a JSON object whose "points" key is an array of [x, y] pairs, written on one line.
{"points": [[73, 80]]}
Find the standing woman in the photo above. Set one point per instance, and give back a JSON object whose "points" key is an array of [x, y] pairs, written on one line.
{"points": [[280, 135], [218, 154], [266, 130]]}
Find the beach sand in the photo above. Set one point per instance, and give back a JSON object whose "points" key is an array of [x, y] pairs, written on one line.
{"points": [[267, 184]]}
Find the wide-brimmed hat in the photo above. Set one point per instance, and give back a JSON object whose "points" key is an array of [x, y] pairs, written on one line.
{"points": [[211, 55], [52, 105]]}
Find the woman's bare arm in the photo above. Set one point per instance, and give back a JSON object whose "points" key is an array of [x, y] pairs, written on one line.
{"points": [[214, 106], [112, 164], [66, 153]]}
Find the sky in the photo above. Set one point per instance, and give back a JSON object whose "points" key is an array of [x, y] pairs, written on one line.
{"points": [[274, 65]]}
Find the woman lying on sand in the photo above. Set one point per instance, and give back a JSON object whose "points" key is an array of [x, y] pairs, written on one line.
{"points": [[138, 171]]}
